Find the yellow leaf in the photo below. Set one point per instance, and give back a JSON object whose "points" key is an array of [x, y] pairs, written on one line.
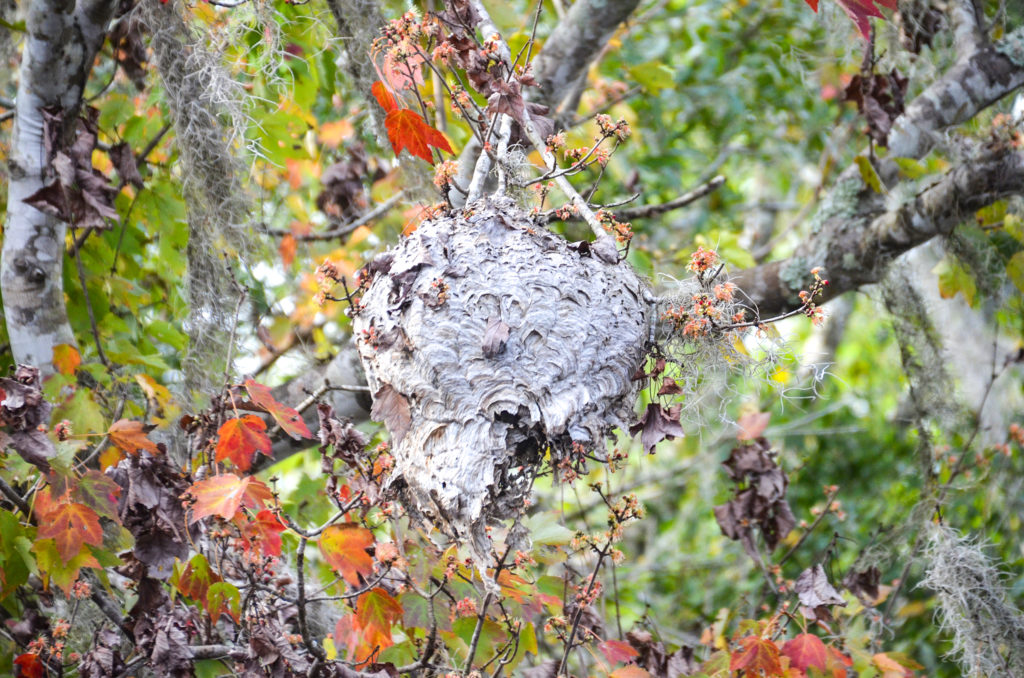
{"points": [[868, 174]]}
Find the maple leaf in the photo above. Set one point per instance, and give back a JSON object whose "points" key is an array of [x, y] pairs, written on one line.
{"points": [[30, 666], [55, 569], [71, 525], [240, 439], [756, 654], [197, 578], [66, 359], [860, 11], [286, 417], [407, 129], [618, 651], [99, 492], [264, 533], [384, 97], [657, 424], [225, 494], [814, 589], [376, 613], [344, 548], [805, 651], [223, 598], [130, 436]]}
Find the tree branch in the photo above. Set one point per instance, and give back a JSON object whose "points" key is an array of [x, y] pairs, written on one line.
{"points": [[854, 234], [960, 94], [574, 43], [855, 247]]}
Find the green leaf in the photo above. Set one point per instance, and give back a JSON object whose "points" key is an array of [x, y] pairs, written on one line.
{"points": [[1015, 270], [953, 279], [653, 76], [868, 174], [1014, 225], [910, 168], [223, 598]]}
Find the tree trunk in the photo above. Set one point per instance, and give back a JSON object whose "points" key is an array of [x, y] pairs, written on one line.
{"points": [[61, 42]]}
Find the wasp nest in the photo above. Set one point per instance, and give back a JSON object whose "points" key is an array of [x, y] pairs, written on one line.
{"points": [[489, 342]]}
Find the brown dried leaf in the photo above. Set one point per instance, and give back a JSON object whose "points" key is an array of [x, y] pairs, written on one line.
{"points": [[657, 424], [495, 336], [392, 408], [814, 589]]}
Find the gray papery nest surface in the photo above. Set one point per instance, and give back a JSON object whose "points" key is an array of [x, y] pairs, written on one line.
{"points": [[488, 341]]}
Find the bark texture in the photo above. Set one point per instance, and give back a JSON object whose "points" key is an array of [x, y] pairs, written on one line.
{"points": [[61, 41], [487, 341], [562, 65], [858, 238], [854, 233]]}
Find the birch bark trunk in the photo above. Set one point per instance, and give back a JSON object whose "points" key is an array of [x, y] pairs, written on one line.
{"points": [[61, 41]]}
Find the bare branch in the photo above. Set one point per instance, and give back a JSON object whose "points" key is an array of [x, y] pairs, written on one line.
{"points": [[644, 211]]}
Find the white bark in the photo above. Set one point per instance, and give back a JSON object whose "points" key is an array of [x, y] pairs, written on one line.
{"points": [[60, 45]]}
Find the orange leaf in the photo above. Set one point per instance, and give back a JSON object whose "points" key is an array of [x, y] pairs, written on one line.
{"points": [[66, 359], [630, 671], [225, 494], [30, 666], [240, 439], [384, 97], [890, 667], [263, 532], [195, 581], [806, 650], [344, 548], [756, 654], [333, 133], [407, 129], [287, 249], [130, 436], [286, 417], [71, 525], [376, 613]]}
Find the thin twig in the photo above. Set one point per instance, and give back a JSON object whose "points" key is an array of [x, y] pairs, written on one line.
{"points": [[345, 229], [88, 305], [817, 521]]}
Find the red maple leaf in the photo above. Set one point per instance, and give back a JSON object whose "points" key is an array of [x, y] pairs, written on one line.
{"points": [[264, 533], [70, 524], [344, 548], [225, 494], [407, 129], [860, 11], [240, 439], [286, 417], [806, 650], [756, 654], [384, 97], [30, 666], [376, 613], [618, 651]]}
